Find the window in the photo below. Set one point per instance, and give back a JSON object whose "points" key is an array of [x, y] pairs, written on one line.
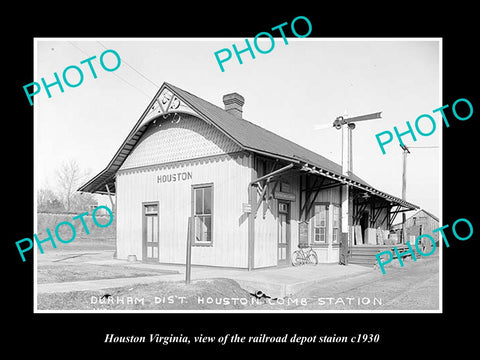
{"points": [[202, 213], [320, 216], [336, 224], [151, 209]]}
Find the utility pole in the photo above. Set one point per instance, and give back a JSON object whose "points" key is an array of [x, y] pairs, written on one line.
{"points": [[406, 151], [404, 189]]}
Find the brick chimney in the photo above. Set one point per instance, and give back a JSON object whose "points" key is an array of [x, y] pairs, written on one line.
{"points": [[233, 104]]}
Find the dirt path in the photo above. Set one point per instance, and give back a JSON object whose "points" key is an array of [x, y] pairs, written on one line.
{"points": [[413, 287]]}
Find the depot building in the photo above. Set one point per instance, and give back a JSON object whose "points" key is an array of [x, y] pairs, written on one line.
{"points": [[252, 197]]}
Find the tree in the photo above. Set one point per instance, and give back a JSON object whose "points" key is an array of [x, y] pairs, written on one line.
{"points": [[70, 177], [47, 201]]}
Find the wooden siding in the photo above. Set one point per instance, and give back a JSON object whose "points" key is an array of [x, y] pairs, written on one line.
{"points": [[230, 176], [266, 228], [265, 244], [265, 249], [419, 223]]}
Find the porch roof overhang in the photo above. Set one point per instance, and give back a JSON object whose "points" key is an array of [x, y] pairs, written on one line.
{"points": [[347, 180]]}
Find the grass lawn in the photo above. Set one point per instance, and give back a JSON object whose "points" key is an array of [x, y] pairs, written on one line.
{"points": [[84, 271], [87, 243]]}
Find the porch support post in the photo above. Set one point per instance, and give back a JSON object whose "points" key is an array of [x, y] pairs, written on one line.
{"points": [[300, 197], [252, 197], [345, 233], [110, 197]]}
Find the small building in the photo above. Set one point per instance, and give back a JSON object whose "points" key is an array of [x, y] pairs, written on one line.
{"points": [[254, 196], [422, 222]]}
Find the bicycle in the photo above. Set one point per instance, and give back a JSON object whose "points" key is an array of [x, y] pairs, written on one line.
{"points": [[304, 255]]}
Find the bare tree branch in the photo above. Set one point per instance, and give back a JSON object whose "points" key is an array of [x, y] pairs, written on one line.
{"points": [[69, 177]]}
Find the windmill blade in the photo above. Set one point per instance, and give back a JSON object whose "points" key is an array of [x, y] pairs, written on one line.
{"points": [[376, 115], [323, 126]]}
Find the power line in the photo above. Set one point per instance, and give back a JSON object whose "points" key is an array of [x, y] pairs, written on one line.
{"points": [[147, 95], [131, 67]]}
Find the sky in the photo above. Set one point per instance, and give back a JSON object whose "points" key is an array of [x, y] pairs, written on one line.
{"points": [[289, 91]]}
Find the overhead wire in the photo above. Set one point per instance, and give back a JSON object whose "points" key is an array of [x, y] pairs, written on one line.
{"points": [[131, 67], [127, 82]]}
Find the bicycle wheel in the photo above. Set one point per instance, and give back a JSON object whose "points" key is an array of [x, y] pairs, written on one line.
{"points": [[313, 259], [297, 258]]}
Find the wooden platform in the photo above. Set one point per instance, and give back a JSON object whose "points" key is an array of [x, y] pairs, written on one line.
{"points": [[365, 254]]}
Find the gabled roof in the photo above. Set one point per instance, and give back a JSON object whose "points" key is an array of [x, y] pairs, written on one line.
{"points": [[399, 224], [424, 211], [247, 135], [430, 214]]}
